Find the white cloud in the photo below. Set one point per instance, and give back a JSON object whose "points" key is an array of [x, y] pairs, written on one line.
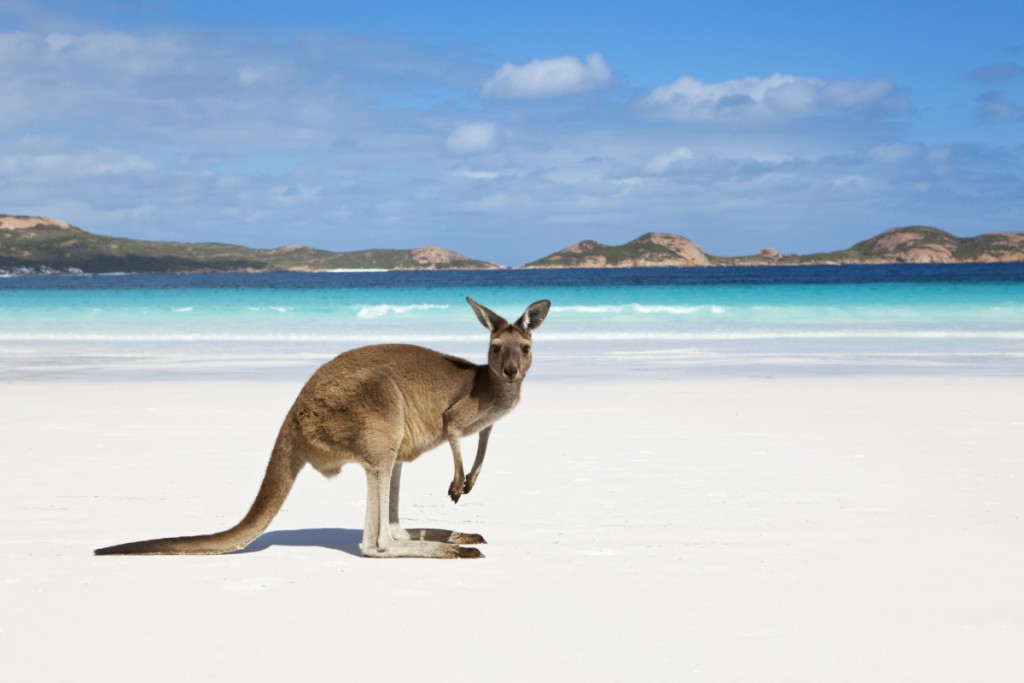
{"points": [[473, 174], [894, 153], [549, 78], [289, 196], [992, 106], [495, 203], [267, 74], [663, 162], [98, 162], [1000, 72], [249, 75], [120, 52], [59, 41], [142, 211], [472, 138], [778, 96], [850, 182]]}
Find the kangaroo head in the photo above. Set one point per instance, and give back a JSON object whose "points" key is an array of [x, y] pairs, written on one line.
{"points": [[510, 353]]}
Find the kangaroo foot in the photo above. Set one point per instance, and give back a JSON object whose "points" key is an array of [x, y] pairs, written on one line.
{"points": [[445, 536], [423, 549]]}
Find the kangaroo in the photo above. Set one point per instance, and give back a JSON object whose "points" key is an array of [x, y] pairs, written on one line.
{"points": [[382, 406]]}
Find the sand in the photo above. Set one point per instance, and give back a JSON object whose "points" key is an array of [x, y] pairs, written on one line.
{"points": [[822, 528]]}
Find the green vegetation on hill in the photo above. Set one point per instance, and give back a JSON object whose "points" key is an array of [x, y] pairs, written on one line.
{"points": [[639, 248], [914, 244], [649, 249], [614, 255], [60, 247], [921, 244]]}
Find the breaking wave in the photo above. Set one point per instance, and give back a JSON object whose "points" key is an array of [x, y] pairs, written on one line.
{"points": [[381, 310], [642, 309]]}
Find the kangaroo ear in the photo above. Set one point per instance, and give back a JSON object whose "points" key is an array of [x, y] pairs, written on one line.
{"points": [[487, 317], [534, 315]]}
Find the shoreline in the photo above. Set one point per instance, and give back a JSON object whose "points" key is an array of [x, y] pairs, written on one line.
{"points": [[604, 370]]}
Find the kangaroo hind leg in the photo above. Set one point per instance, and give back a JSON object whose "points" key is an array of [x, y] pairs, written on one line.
{"points": [[378, 540], [436, 535]]}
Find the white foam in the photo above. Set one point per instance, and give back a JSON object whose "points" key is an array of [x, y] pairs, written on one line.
{"points": [[671, 310], [380, 310], [276, 309], [587, 309], [643, 309]]}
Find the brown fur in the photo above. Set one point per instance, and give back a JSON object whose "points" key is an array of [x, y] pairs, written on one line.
{"points": [[382, 406]]}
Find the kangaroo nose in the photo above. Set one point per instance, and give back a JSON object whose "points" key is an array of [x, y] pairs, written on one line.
{"points": [[511, 373]]}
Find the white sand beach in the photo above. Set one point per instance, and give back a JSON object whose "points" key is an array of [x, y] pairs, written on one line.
{"points": [[829, 528]]}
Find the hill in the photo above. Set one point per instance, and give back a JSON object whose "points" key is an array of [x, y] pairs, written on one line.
{"points": [[32, 244], [651, 249], [930, 245], [916, 244]]}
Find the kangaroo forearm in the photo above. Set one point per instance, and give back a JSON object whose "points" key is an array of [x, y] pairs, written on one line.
{"points": [[481, 451], [459, 480], [453, 441]]}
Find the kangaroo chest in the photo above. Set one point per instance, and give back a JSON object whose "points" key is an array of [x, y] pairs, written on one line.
{"points": [[427, 429]]}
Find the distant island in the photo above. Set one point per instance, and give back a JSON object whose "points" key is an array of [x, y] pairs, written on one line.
{"points": [[34, 245], [915, 244], [31, 244]]}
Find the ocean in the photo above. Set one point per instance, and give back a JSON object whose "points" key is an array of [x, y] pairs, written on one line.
{"points": [[747, 321]]}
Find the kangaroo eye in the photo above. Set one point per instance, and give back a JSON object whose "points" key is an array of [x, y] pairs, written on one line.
{"points": [[526, 348], [495, 348]]}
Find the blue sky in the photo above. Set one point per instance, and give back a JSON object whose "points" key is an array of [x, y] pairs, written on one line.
{"points": [[509, 132]]}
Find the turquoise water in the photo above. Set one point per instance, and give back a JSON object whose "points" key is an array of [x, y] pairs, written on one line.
{"points": [[600, 320]]}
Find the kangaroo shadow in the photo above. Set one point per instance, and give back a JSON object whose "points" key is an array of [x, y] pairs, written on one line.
{"points": [[345, 540]]}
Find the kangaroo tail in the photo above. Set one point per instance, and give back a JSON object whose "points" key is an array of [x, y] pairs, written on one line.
{"points": [[282, 470]]}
